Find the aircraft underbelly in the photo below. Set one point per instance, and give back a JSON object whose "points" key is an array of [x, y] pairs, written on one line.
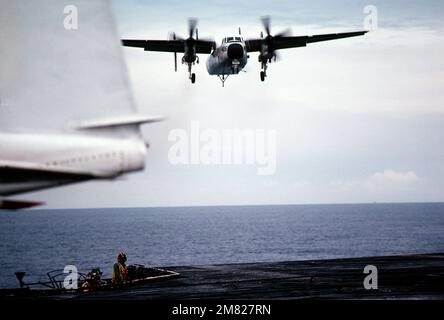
{"points": [[26, 183]]}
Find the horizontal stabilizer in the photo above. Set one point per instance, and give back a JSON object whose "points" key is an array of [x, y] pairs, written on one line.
{"points": [[123, 121]]}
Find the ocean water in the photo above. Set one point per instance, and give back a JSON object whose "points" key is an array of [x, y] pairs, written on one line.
{"points": [[38, 241]]}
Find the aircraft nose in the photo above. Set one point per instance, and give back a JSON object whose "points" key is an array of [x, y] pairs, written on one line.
{"points": [[235, 51]]}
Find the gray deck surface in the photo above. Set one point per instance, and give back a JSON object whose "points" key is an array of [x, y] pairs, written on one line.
{"points": [[413, 276], [399, 277]]}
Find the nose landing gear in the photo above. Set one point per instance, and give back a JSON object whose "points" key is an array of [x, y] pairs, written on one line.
{"points": [[235, 66]]}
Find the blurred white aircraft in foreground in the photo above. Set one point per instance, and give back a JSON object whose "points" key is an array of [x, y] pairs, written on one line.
{"points": [[66, 112]]}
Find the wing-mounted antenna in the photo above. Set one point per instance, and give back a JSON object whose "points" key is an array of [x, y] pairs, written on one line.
{"points": [[262, 34], [240, 33], [197, 34]]}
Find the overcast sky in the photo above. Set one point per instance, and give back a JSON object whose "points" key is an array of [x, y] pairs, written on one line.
{"points": [[357, 120]]}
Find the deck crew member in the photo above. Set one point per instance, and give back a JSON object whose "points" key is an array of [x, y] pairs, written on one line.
{"points": [[120, 271]]}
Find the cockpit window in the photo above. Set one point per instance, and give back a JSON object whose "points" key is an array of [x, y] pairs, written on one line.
{"points": [[231, 39]]}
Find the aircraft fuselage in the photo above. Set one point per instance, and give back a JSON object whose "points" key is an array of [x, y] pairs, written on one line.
{"points": [[106, 156], [229, 58]]}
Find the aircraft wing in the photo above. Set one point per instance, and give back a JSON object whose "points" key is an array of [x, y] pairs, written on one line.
{"points": [[18, 177], [299, 41], [202, 46], [18, 204]]}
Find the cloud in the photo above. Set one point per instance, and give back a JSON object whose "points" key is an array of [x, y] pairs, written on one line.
{"points": [[381, 180], [386, 186], [391, 178]]}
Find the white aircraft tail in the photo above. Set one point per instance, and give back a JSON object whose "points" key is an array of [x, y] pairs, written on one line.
{"points": [[62, 61]]}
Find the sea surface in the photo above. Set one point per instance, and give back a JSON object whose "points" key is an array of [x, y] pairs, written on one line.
{"points": [[37, 241]]}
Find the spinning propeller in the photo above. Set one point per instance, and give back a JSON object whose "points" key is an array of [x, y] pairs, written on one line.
{"points": [[268, 48], [189, 43]]}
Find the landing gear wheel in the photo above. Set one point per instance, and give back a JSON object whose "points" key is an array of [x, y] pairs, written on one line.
{"points": [[193, 78], [262, 76]]}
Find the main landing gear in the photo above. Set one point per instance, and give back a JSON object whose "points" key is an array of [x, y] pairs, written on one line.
{"points": [[192, 75], [262, 76], [263, 72]]}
